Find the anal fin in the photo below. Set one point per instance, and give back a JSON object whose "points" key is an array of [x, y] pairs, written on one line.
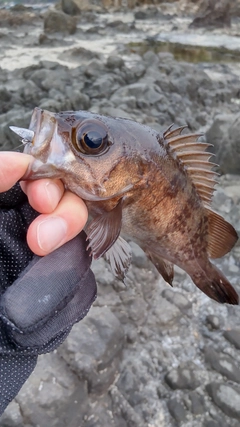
{"points": [[165, 268], [221, 235]]}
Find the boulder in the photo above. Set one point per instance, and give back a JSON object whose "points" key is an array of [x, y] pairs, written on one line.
{"points": [[224, 135], [56, 21], [93, 350], [213, 13], [74, 7]]}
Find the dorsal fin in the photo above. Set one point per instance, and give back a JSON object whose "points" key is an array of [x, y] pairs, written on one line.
{"points": [[169, 133], [195, 159]]}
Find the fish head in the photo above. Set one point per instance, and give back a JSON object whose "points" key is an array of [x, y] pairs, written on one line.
{"points": [[95, 156]]}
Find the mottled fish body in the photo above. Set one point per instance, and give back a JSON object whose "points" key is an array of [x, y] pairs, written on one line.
{"points": [[152, 188]]}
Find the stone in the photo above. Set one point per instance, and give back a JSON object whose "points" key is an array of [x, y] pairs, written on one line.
{"points": [[213, 322], [226, 397], [94, 68], [149, 93], [79, 54], [31, 94], [224, 135], [56, 21], [37, 76], [115, 61], [94, 349], [47, 398], [183, 377], [177, 298], [197, 403], [223, 364], [120, 26], [70, 7], [233, 336], [12, 416], [75, 7], [177, 410], [212, 13], [122, 407]]}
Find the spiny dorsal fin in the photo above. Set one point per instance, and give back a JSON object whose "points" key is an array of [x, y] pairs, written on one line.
{"points": [[196, 160], [169, 133], [221, 235]]}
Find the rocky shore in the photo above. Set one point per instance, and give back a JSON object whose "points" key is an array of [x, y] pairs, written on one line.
{"points": [[146, 354]]}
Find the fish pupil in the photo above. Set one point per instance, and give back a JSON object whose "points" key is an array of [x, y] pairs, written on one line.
{"points": [[93, 139]]}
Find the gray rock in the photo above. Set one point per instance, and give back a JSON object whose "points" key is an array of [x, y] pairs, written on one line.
{"points": [[177, 410], [196, 403], [149, 93], [38, 76], [212, 321], [94, 349], [233, 336], [56, 21], [104, 86], [114, 61], [122, 407], [94, 68], [177, 298], [78, 100], [12, 416], [224, 135], [120, 26], [5, 95], [70, 7], [79, 54], [31, 94], [53, 105], [183, 377], [56, 79], [226, 397], [223, 364], [141, 15], [51, 390], [213, 14]]}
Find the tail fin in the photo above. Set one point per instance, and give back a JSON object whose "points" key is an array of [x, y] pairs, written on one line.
{"points": [[215, 285]]}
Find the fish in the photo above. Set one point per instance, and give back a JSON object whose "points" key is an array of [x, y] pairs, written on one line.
{"points": [[152, 188]]}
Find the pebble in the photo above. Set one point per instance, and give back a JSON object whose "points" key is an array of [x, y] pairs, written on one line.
{"points": [[226, 397], [223, 364], [233, 336]]}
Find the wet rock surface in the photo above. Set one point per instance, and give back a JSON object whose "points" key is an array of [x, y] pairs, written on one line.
{"points": [[147, 355]]}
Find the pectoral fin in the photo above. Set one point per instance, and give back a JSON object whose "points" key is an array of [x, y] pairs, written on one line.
{"points": [[119, 257], [104, 230], [165, 268]]}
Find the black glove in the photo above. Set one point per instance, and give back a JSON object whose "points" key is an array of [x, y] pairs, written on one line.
{"points": [[40, 297]]}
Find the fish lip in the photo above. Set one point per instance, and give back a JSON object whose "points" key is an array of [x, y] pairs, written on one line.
{"points": [[37, 170]]}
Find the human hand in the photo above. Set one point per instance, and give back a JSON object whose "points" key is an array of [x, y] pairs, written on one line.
{"points": [[40, 297], [63, 214]]}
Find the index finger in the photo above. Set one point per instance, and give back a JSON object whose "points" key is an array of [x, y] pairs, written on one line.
{"points": [[12, 167]]}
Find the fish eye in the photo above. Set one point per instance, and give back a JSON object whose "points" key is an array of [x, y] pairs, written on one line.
{"points": [[91, 138]]}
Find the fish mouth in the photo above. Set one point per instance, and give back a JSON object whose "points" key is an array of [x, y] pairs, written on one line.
{"points": [[37, 170]]}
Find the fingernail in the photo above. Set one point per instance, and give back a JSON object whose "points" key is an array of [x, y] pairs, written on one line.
{"points": [[51, 233], [54, 193]]}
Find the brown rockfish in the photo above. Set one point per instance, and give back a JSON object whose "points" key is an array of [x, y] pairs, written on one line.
{"points": [[152, 188]]}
